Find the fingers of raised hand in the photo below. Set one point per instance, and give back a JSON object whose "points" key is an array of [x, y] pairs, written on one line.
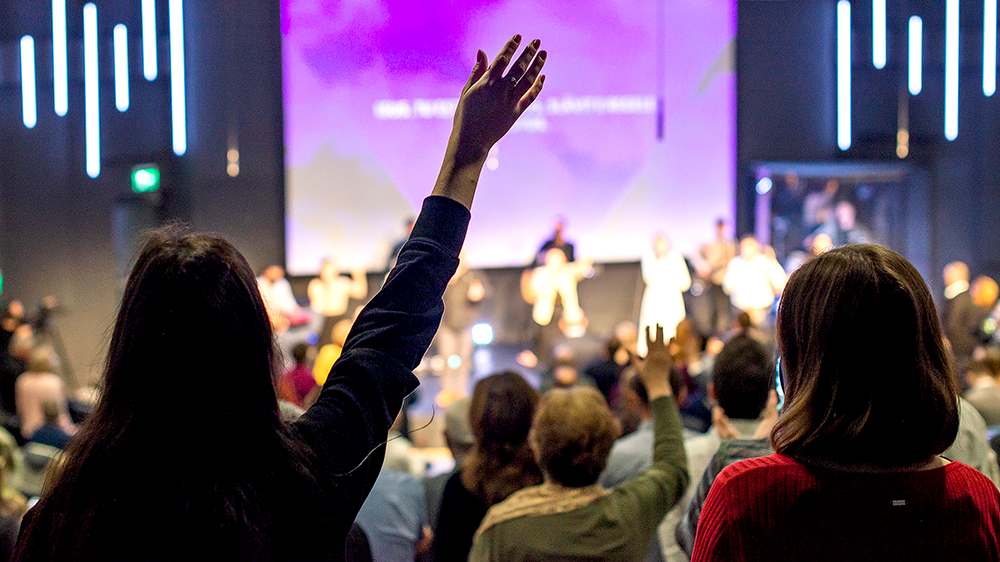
{"points": [[503, 59], [532, 69], [523, 62]]}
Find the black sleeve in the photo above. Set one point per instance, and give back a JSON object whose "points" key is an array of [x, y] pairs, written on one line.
{"points": [[367, 385]]}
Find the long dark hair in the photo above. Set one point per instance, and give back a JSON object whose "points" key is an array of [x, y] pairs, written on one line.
{"points": [[500, 413], [867, 378], [186, 434]]}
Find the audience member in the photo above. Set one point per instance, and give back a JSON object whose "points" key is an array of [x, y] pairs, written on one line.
{"points": [[394, 517], [297, 384], [279, 301], [870, 405], [12, 503], [330, 352], [262, 490], [606, 372], [983, 377], [499, 464], [458, 436], [36, 386], [958, 313], [571, 516], [51, 433], [22, 342]]}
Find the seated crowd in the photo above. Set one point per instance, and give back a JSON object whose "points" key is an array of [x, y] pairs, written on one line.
{"points": [[842, 434]]}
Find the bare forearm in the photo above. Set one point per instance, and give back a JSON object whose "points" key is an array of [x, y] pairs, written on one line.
{"points": [[459, 176]]}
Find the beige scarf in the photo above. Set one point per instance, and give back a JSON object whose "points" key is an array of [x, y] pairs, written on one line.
{"points": [[546, 499]]}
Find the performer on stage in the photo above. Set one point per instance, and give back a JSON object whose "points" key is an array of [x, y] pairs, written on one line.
{"points": [[454, 338], [558, 241], [711, 268], [282, 308], [555, 283], [667, 277], [330, 294], [753, 280]]}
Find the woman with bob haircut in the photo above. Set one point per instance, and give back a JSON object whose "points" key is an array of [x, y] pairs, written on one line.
{"points": [[500, 463], [185, 456], [871, 401], [570, 516]]}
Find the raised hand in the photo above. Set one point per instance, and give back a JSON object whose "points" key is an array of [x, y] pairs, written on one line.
{"points": [[655, 369], [492, 100]]}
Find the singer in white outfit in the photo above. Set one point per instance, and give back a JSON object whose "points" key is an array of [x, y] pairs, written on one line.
{"points": [[667, 277]]}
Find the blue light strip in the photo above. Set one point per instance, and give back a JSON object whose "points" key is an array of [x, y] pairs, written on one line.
{"points": [[60, 73], [844, 74], [951, 42], [878, 34], [916, 56], [92, 116], [149, 39], [121, 67], [178, 103], [989, 47], [29, 101]]}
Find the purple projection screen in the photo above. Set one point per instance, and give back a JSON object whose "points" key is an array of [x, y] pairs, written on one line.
{"points": [[634, 133]]}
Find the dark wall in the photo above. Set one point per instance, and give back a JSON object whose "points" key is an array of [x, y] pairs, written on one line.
{"points": [[787, 111], [56, 224]]}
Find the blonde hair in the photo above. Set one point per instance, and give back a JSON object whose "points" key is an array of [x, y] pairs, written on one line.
{"points": [[572, 435]]}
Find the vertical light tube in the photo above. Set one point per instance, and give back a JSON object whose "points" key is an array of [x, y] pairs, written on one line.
{"points": [[951, 57], [121, 67], [915, 79], [92, 116], [878, 34], [149, 41], [844, 74], [29, 100], [989, 47], [178, 103], [60, 72]]}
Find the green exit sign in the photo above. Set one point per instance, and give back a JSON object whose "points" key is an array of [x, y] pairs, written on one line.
{"points": [[146, 178]]}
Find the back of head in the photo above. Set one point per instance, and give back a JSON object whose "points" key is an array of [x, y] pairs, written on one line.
{"points": [[186, 431], [742, 378], [500, 414], [457, 431], [866, 376], [572, 435]]}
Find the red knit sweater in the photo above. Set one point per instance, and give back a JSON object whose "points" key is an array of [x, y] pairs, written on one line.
{"points": [[774, 508]]}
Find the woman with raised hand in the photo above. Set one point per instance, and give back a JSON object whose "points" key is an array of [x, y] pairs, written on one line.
{"points": [[570, 516], [185, 456], [871, 402]]}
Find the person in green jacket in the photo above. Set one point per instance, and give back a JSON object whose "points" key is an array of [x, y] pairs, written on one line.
{"points": [[570, 516]]}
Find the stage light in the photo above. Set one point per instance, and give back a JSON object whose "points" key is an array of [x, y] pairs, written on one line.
{"points": [[60, 73], [454, 361], [844, 74], [764, 185], [29, 101], [178, 104], [482, 334], [951, 41], [915, 79], [990, 47], [121, 67], [149, 39], [878, 34], [91, 91], [145, 178]]}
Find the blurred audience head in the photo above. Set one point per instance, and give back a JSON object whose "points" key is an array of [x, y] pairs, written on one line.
{"points": [[300, 353], [500, 413], [457, 430], [987, 367], [572, 435], [273, 273], [867, 379], [985, 292], [955, 272], [742, 378]]}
